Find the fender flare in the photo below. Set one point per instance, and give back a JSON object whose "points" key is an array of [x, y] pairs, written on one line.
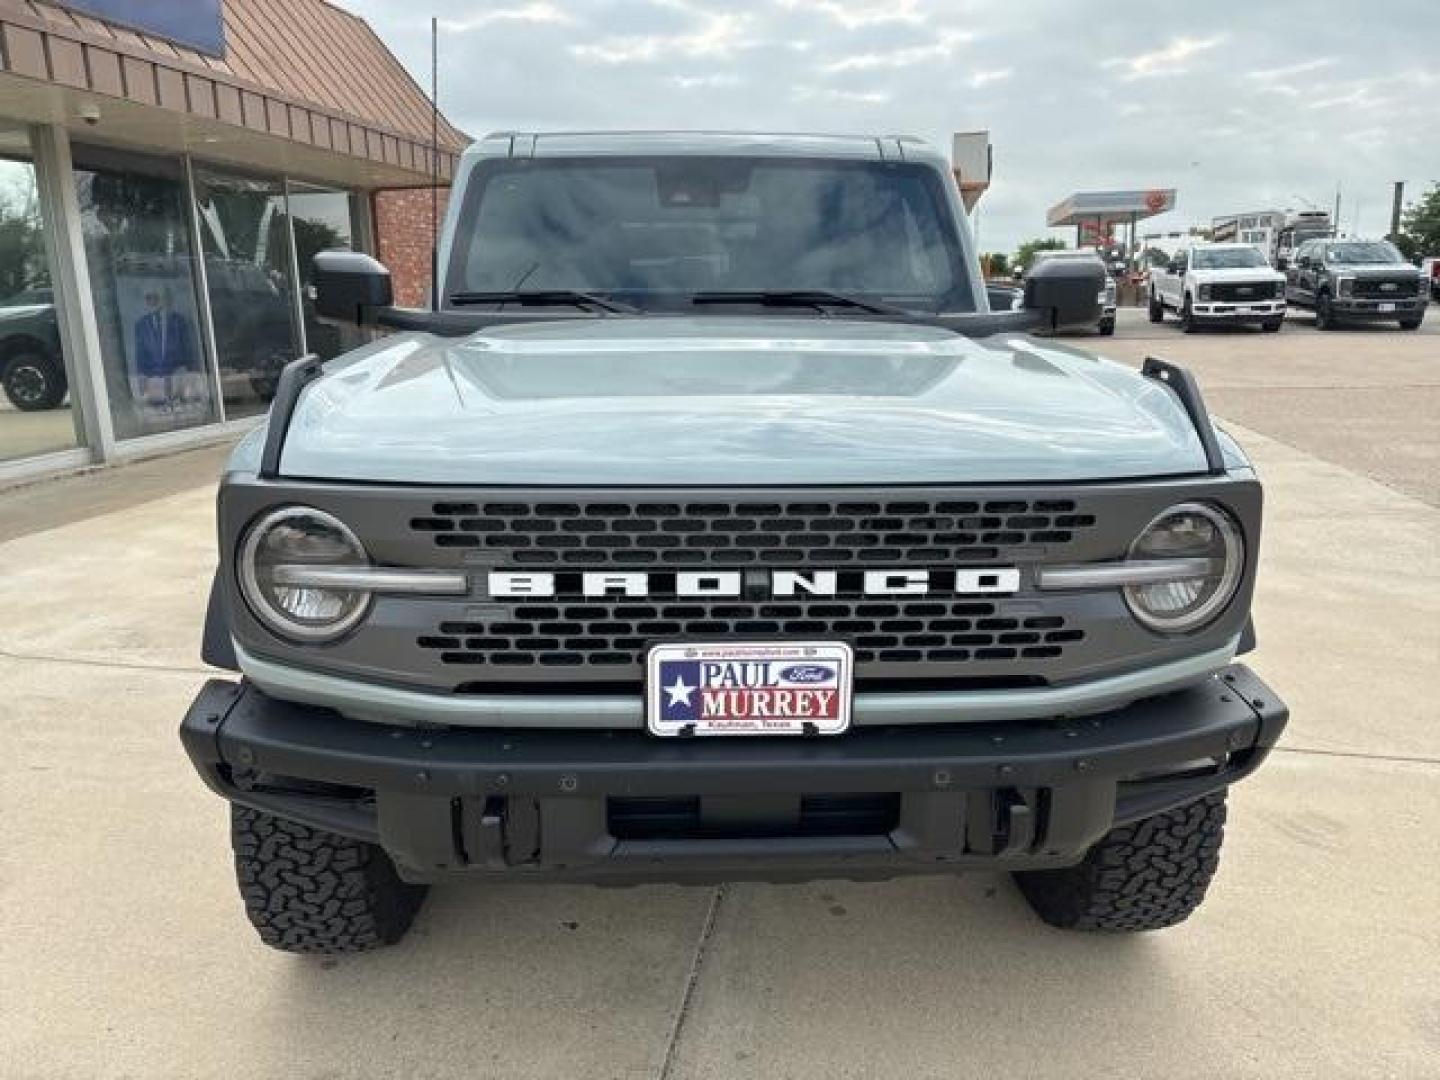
{"points": [[216, 646]]}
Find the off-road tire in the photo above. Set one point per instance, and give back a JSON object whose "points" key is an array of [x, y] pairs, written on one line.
{"points": [[1187, 317], [310, 891], [1271, 326], [33, 381], [1157, 309], [1144, 876], [1410, 324], [1107, 327]]}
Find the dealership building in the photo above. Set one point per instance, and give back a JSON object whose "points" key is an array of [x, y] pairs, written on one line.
{"points": [[167, 171]]}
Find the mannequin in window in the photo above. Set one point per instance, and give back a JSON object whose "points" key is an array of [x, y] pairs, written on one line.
{"points": [[165, 356]]}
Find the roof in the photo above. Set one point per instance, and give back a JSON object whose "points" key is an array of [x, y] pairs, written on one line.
{"points": [[741, 143], [302, 70]]}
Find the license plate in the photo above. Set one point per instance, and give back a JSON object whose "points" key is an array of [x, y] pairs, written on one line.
{"points": [[1387, 307], [761, 688]]}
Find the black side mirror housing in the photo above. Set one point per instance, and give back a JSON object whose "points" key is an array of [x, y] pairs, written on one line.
{"points": [[350, 287], [1066, 292]]}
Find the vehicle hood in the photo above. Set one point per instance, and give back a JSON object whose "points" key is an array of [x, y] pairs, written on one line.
{"points": [[1382, 270], [24, 311], [731, 401], [1238, 273]]}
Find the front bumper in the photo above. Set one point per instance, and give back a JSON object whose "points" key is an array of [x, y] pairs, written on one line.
{"points": [[1239, 312], [1350, 308], [587, 806]]}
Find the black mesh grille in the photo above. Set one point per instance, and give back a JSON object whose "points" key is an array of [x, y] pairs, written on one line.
{"points": [[616, 634], [1395, 288], [765, 534], [1242, 292]]}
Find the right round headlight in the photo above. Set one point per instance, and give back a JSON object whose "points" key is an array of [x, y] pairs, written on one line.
{"points": [[274, 558], [1205, 535]]}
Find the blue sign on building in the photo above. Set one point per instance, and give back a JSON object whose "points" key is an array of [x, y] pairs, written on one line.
{"points": [[197, 24]]}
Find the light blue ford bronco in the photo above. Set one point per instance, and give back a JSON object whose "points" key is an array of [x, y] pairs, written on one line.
{"points": [[713, 527]]}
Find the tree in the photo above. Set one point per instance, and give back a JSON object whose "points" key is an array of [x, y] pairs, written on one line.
{"points": [[1030, 248], [1419, 234], [995, 263]]}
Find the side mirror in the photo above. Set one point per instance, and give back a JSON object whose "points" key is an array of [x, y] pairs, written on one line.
{"points": [[350, 286], [1066, 291], [1282, 264]]}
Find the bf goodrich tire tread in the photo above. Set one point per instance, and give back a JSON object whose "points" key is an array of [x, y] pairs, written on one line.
{"points": [[1144, 876], [310, 891]]}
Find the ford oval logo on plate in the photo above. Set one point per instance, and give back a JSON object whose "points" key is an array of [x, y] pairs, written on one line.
{"points": [[807, 673]]}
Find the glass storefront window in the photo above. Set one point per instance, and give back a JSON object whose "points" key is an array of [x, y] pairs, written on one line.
{"points": [[244, 231], [324, 220], [35, 411], [136, 223]]}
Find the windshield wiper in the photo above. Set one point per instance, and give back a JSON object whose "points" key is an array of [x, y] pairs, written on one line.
{"points": [[572, 297], [816, 298]]}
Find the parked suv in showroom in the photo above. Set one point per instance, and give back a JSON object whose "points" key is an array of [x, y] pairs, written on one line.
{"points": [[713, 527], [32, 368], [1356, 281]]}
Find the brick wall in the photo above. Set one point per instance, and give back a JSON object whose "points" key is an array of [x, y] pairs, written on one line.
{"points": [[402, 237]]}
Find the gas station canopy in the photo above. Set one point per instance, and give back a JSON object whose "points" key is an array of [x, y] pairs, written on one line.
{"points": [[1110, 207], [1096, 213]]}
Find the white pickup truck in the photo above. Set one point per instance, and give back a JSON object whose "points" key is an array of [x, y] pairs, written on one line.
{"points": [[1220, 283]]}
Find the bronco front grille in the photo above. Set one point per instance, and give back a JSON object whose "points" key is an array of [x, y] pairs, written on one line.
{"points": [[615, 635], [771, 534]]}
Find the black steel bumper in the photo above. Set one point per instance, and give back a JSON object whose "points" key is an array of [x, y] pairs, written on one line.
{"points": [[625, 806], [1408, 308]]}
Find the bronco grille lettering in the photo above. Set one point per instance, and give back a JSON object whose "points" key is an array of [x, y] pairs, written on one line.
{"points": [[990, 581]]}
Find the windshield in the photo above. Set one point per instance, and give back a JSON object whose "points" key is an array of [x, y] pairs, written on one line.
{"points": [[1227, 258], [1372, 252], [654, 231]]}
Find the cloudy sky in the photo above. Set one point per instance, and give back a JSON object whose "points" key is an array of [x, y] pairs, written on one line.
{"points": [[1241, 106]]}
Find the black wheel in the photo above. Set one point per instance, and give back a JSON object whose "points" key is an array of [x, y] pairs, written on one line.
{"points": [[1410, 324], [34, 381], [1187, 317], [1270, 326], [1157, 309], [1324, 313], [1107, 327], [1144, 876], [310, 891]]}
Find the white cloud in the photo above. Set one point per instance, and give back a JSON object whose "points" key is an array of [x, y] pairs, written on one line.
{"points": [[985, 78], [706, 82], [1164, 61], [841, 96], [717, 35], [942, 48], [853, 15], [536, 12], [1290, 70]]}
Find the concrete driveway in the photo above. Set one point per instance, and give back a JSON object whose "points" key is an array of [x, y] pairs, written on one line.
{"points": [[125, 953]]}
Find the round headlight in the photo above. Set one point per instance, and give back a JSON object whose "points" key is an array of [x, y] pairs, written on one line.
{"points": [[277, 549], [1193, 531]]}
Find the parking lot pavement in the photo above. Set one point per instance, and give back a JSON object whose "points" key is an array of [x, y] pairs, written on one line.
{"points": [[1366, 397], [125, 952]]}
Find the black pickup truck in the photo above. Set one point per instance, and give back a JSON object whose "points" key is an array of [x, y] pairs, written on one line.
{"points": [[1356, 280]]}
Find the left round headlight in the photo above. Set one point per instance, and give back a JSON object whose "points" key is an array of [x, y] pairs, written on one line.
{"points": [[1206, 537], [277, 560]]}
